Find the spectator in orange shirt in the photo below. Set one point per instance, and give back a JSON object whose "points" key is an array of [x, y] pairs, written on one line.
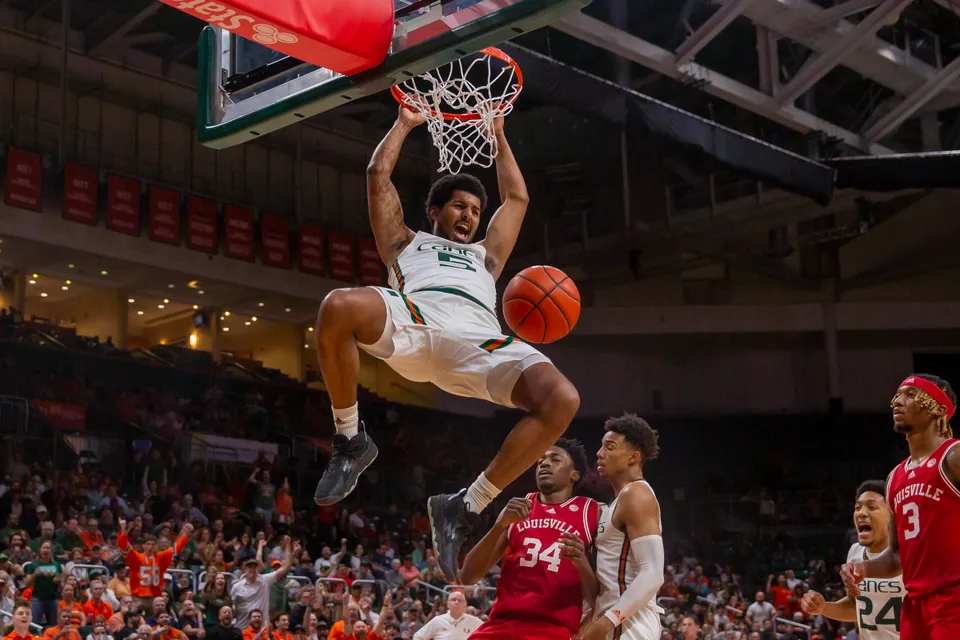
{"points": [[781, 592], [281, 625], [91, 535], [256, 630], [22, 617], [96, 606], [163, 630], [77, 617], [63, 630], [115, 622], [284, 503]]}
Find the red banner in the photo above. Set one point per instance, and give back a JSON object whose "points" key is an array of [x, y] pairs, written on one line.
{"points": [[202, 224], [123, 205], [342, 262], [311, 250], [275, 241], [24, 178], [239, 233], [371, 266], [80, 194], [164, 215], [65, 416]]}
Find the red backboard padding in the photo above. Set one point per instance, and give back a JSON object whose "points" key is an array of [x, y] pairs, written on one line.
{"points": [[347, 36]]}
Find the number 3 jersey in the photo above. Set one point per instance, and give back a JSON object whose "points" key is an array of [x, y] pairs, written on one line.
{"points": [[537, 584], [879, 602], [432, 263], [926, 505], [146, 574]]}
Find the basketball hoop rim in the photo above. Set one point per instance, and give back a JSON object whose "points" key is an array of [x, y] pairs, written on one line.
{"points": [[403, 97]]}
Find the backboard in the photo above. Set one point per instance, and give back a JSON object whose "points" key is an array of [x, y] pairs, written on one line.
{"points": [[247, 90]]}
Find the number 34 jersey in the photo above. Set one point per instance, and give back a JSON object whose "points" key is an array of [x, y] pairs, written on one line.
{"points": [[537, 584], [879, 602]]}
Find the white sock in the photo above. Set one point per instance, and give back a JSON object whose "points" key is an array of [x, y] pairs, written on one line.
{"points": [[480, 494], [347, 421]]}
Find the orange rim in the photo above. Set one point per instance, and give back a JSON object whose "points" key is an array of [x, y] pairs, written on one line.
{"points": [[404, 98]]}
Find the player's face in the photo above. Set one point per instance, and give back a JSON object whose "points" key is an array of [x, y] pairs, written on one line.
{"points": [[555, 470], [908, 416], [871, 517], [459, 218], [615, 455]]}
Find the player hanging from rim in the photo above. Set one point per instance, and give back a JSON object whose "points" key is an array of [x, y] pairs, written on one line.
{"points": [[542, 540], [629, 538], [924, 494], [877, 610], [437, 324]]}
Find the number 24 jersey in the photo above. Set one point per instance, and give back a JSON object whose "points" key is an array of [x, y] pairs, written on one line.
{"points": [[537, 584], [879, 602]]}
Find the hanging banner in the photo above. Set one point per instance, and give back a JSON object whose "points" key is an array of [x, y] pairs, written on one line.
{"points": [[202, 224], [239, 233], [311, 250], [123, 205], [80, 194], [342, 261], [60, 414], [24, 178], [164, 215], [275, 241], [372, 272]]}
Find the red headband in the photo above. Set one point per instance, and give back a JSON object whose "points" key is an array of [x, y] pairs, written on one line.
{"points": [[932, 390]]}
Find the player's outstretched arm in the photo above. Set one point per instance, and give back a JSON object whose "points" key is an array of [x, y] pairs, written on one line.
{"points": [[883, 567], [844, 610], [505, 224], [386, 212], [490, 549], [638, 509]]}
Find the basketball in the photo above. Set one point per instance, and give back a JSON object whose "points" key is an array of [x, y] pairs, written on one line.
{"points": [[541, 304]]}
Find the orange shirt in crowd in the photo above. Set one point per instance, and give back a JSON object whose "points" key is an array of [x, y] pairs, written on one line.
{"points": [[282, 635], [170, 634], [76, 612], [146, 574], [115, 623], [52, 632], [93, 609], [336, 633], [89, 540], [13, 636], [781, 598], [250, 633]]}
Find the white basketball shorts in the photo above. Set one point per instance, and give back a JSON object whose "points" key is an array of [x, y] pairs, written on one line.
{"points": [[643, 625], [453, 342]]}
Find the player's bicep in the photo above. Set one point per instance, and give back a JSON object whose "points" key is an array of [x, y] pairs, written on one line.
{"points": [[894, 544], [951, 464], [386, 217], [641, 513]]}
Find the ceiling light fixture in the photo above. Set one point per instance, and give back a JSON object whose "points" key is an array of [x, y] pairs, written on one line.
{"points": [[159, 306], [31, 281], [165, 301], [71, 266], [309, 328], [130, 300], [36, 275], [259, 304], [43, 295], [170, 286], [254, 318], [200, 292], [103, 272], [65, 288], [287, 309], [68, 282], [226, 313], [226, 328], [195, 307], [247, 323], [139, 313]]}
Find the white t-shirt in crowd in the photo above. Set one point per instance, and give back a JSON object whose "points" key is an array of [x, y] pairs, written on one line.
{"points": [[247, 597], [446, 628], [758, 612]]}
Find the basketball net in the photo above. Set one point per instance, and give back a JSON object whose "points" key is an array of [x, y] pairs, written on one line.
{"points": [[460, 102]]}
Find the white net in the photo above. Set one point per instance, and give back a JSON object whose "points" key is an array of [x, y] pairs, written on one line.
{"points": [[460, 101]]}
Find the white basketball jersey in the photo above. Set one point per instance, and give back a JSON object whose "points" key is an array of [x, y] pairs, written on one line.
{"points": [[879, 602], [616, 569], [431, 263]]}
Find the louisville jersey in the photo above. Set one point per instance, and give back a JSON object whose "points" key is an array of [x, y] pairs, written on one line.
{"points": [[879, 602], [146, 574], [537, 584], [926, 505], [432, 263]]}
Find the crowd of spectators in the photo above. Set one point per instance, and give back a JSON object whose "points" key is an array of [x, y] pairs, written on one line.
{"points": [[260, 563]]}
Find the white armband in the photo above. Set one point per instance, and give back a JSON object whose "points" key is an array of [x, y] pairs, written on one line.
{"points": [[648, 550]]}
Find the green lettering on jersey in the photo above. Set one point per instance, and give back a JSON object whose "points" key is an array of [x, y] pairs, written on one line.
{"points": [[455, 261]]}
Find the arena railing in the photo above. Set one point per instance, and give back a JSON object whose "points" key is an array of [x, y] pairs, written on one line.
{"points": [[450, 588], [14, 414], [202, 579], [331, 581], [87, 568], [191, 576], [791, 623]]}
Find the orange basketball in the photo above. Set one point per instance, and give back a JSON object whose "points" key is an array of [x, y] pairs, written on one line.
{"points": [[541, 304]]}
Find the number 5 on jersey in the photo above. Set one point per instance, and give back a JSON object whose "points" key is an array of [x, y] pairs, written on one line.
{"points": [[550, 556]]}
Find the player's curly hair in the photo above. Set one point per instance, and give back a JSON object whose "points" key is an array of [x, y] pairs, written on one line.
{"points": [[442, 190], [926, 402], [877, 486], [578, 454], [637, 432]]}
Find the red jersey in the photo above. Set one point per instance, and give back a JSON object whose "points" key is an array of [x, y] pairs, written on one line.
{"points": [[146, 574], [536, 583], [926, 506]]}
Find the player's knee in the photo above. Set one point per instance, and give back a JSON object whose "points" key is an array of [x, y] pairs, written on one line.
{"points": [[335, 311], [563, 404]]}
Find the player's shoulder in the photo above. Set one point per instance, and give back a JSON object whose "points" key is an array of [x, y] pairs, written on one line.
{"points": [[637, 493], [855, 554]]}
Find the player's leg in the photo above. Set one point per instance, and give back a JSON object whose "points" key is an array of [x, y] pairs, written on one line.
{"points": [[912, 623], [347, 317], [550, 402], [941, 613]]}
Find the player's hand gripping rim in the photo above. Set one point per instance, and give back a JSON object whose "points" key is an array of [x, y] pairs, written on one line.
{"points": [[852, 574], [517, 510]]}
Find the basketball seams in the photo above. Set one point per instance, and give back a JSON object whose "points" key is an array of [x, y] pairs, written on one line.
{"points": [[559, 283]]}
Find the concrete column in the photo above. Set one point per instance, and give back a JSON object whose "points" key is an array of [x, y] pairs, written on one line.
{"points": [[831, 347], [123, 320]]}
